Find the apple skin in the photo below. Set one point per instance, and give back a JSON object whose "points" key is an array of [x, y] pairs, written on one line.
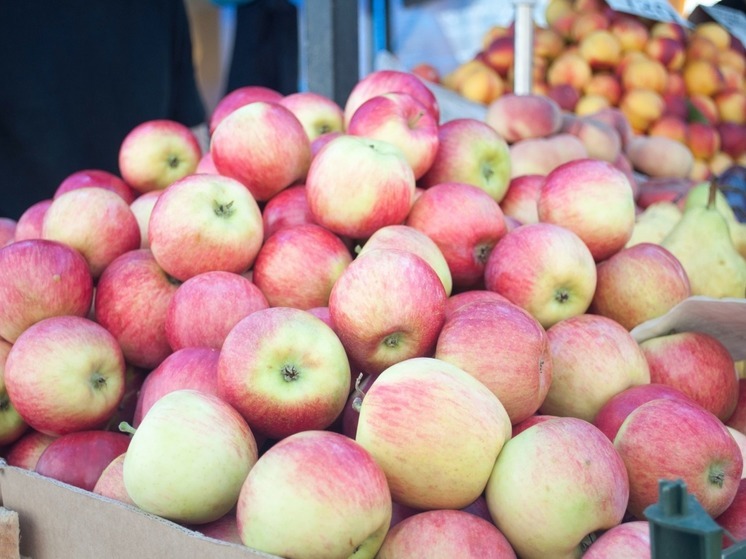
{"points": [[308, 251], [287, 208], [593, 199], [238, 98], [465, 223], [224, 528], [518, 428], [384, 186], [697, 364], [111, 481], [672, 439], [629, 540], [594, 358], [157, 153], [100, 178], [554, 484], [194, 368], [29, 225], [639, 283], [142, 207], [263, 146], [444, 534], [207, 306], [456, 427], [221, 448], [317, 113], [40, 279], [79, 458], [470, 151], [96, 222], [380, 82], [521, 199], [737, 419], [204, 223], [7, 230], [12, 425], [326, 479], [733, 519], [131, 302], [387, 306], [400, 119], [616, 409], [505, 348], [65, 374], [545, 269], [25, 452], [285, 371]]}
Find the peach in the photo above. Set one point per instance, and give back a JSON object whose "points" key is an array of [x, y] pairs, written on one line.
{"points": [[732, 139], [670, 126], [669, 29], [719, 163], [702, 77], [700, 171], [731, 106], [427, 72], [569, 68], [567, 147], [732, 59], [493, 33], [732, 77], [701, 48], [675, 84], [631, 32], [702, 107], [645, 73], [703, 139], [667, 51], [520, 202], [714, 32], [657, 156], [539, 156], [601, 140], [591, 103], [556, 9], [453, 79], [548, 43], [601, 48], [499, 55], [565, 95], [676, 105], [586, 23], [605, 84], [616, 118], [563, 25], [481, 85], [519, 117], [642, 107], [582, 6]]}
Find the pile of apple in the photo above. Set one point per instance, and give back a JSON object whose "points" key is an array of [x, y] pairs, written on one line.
{"points": [[333, 334], [670, 81]]}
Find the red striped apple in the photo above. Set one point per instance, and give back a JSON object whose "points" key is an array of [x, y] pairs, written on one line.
{"points": [[629, 540], [30, 222], [142, 207], [100, 178], [25, 452], [239, 97], [111, 481], [287, 208], [317, 113], [12, 425]]}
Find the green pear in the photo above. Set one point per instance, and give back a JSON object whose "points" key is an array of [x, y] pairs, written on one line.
{"points": [[698, 196], [702, 242], [654, 223]]}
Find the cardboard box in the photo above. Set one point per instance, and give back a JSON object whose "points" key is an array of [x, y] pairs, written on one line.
{"points": [[59, 521]]}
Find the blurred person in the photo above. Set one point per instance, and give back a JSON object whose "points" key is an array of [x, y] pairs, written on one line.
{"points": [[76, 77]]}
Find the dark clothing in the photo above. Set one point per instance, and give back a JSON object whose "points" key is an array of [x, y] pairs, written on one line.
{"points": [[75, 77]]}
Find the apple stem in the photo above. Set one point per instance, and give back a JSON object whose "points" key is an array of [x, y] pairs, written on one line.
{"points": [[415, 120], [125, 427], [357, 401]]}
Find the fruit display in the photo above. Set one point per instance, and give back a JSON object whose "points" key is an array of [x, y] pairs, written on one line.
{"points": [[358, 331], [671, 81]]}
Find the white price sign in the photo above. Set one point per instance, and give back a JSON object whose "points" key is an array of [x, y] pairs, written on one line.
{"points": [[733, 20], [658, 10]]}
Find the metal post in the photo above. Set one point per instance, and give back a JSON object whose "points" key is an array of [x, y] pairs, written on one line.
{"points": [[523, 47]]}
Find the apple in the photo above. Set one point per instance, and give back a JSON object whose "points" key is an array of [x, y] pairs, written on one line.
{"points": [[483, 339], [100, 178], [142, 207], [12, 425], [29, 225], [206, 164], [238, 98], [204, 223], [699, 365], [521, 200], [471, 151], [674, 439], [459, 300], [134, 378], [530, 422], [7, 230], [465, 223], [25, 452], [386, 81], [221, 450], [593, 199], [445, 533], [593, 359], [555, 484], [400, 119], [287, 208], [629, 540], [285, 371], [405, 237], [79, 458], [263, 146], [157, 153], [351, 412], [131, 302], [455, 429], [738, 417], [96, 222], [544, 268], [297, 266], [616, 409], [65, 374], [740, 439], [327, 480], [317, 113], [639, 283], [195, 368], [388, 305], [384, 186], [111, 481], [224, 528], [733, 519], [40, 279]]}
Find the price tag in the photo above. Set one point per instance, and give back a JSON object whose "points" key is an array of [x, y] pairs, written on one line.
{"points": [[733, 20], [658, 10]]}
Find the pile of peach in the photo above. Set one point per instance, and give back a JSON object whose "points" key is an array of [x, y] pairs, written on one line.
{"points": [[687, 84]]}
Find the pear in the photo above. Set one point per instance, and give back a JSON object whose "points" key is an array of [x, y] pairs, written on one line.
{"points": [[654, 223], [702, 242], [698, 195]]}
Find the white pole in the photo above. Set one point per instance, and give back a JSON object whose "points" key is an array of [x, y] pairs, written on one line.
{"points": [[523, 47]]}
